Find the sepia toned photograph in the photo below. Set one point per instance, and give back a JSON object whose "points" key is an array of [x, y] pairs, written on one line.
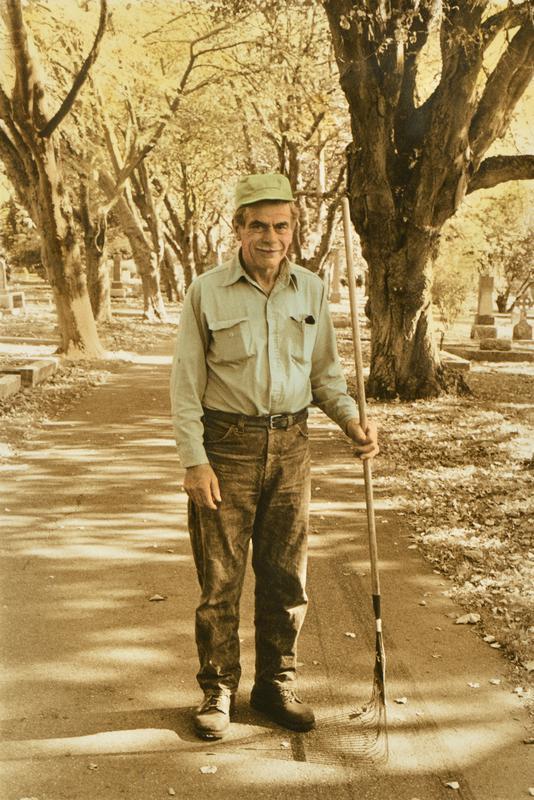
{"points": [[266, 399]]}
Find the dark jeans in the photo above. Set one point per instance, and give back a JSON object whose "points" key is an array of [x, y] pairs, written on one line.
{"points": [[264, 476]]}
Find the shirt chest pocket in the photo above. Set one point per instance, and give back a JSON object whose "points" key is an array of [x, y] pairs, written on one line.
{"points": [[302, 332], [231, 340]]}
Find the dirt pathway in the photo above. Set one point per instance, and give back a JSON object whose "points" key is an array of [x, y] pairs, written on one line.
{"points": [[99, 677]]}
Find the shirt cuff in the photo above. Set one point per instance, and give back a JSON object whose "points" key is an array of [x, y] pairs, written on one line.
{"points": [[192, 455]]}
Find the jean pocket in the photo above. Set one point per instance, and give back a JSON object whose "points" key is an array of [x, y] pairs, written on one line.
{"points": [[302, 428], [216, 431]]}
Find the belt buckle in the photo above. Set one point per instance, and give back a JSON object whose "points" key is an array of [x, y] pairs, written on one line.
{"points": [[272, 423]]}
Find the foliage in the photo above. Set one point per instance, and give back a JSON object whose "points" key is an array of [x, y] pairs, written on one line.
{"points": [[508, 245], [450, 293], [19, 238]]}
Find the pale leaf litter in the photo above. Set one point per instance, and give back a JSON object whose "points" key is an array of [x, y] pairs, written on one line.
{"points": [[466, 495]]}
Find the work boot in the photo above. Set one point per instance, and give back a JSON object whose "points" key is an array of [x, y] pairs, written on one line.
{"points": [[212, 718], [281, 704]]}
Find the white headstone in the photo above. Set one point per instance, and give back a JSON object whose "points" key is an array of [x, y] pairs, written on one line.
{"points": [[485, 295], [3, 275]]}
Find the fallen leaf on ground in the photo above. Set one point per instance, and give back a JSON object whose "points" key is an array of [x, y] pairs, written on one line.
{"points": [[350, 635], [285, 745], [496, 646], [156, 597], [171, 792], [453, 785], [489, 638], [208, 770], [468, 619], [93, 766], [495, 681], [531, 791], [528, 665], [529, 741], [474, 685], [401, 700]]}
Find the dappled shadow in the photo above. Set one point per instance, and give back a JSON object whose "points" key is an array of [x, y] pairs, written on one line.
{"points": [[95, 531]]}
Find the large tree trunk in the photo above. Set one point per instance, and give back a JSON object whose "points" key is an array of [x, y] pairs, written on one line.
{"points": [[404, 354], [405, 358]]}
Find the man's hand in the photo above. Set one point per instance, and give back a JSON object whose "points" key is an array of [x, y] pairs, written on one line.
{"points": [[366, 441], [202, 486]]}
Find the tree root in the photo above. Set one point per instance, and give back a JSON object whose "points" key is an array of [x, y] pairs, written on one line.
{"points": [[453, 382]]}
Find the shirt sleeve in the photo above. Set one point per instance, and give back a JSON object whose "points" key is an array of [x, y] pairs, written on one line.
{"points": [[328, 384], [188, 381]]}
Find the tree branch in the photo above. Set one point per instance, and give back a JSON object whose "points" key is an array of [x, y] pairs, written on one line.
{"points": [[499, 169], [13, 164], [19, 42], [503, 90], [80, 78], [510, 17]]}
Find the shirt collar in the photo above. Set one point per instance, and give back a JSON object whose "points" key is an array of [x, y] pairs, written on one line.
{"points": [[236, 272]]}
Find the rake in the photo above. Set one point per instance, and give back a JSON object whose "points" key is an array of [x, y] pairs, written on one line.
{"points": [[374, 713]]}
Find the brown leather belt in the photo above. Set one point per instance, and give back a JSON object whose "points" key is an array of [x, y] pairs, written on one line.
{"points": [[274, 421]]}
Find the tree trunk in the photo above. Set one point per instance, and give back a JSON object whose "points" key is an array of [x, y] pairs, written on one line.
{"points": [[502, 300], [95, 240], [62, 259], [169, 275], [404, 355], [143, 254], [98, 280]]}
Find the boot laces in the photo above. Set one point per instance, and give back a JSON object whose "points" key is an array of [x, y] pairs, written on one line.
{"points": [[215, 699], [288, 695]]}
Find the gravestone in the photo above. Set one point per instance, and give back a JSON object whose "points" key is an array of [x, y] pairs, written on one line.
{"points": [[495, 344], [117, 287], [484, 327], [523, 330], [13, 301], [3, 275]]}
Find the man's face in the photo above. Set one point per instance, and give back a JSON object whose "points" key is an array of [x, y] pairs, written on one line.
{"points": [[266, 235]]}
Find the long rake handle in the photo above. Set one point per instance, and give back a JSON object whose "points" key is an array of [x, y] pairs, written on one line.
{"points": [[360, 385]]}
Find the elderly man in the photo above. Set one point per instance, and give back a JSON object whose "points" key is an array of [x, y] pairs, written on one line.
{"points": [[256, 346]]}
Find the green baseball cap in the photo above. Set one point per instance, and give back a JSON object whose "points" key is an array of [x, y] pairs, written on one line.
{"points": [[267, 186]]}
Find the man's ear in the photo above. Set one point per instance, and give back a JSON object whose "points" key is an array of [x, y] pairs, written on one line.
{"points": [[237, 231]]}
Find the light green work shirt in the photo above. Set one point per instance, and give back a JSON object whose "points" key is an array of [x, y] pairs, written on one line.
{"points": [[243, 351]]}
